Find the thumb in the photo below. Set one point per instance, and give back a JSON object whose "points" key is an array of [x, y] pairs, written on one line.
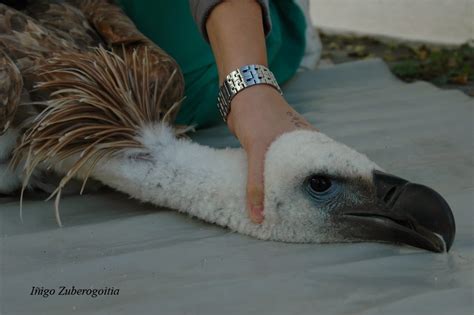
{"points": [[255, 186]]}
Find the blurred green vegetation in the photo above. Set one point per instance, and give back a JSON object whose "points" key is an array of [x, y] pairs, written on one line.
{"points": [[442, 66]]}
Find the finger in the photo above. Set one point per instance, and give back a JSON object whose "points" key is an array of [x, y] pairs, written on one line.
{"points": [[255, 186]]}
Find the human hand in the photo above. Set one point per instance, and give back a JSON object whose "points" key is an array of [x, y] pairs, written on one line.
{"points": [[259, 115]]}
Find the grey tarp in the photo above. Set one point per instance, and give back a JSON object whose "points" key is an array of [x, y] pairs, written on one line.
{"points": [[167, 263]]}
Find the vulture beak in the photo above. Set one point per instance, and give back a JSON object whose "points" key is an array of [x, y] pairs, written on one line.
{"points": [[405, 213]]}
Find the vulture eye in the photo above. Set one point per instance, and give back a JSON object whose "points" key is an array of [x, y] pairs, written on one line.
{"points": [[321, 188], [319, 183]]}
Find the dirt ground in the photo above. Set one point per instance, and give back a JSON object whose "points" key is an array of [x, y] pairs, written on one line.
{"points": [[448, 68]]}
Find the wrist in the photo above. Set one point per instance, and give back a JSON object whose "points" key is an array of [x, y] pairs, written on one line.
{"points": [[251, 102]]}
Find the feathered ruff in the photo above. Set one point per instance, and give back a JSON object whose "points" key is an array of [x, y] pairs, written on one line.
{"points": [[95, 100], [100, 102], [11, 86], [117, 31]]}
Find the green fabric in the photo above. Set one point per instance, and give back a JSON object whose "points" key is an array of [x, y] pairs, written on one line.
{"points": [[170, 24]]}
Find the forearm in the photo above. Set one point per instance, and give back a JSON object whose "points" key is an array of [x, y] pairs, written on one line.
{"points": [[258, 114], [236, 34]]}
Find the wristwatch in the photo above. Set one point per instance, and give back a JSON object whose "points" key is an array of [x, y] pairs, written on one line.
{"points": [[240, 79]]}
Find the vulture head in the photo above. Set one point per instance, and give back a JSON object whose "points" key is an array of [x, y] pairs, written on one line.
{"points": [[319, 190]]}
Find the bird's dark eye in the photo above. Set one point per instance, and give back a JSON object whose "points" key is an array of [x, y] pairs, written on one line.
{"points": [[319, 183]]}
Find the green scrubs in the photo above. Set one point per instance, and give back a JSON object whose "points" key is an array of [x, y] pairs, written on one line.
{"points": [[170, 25]]}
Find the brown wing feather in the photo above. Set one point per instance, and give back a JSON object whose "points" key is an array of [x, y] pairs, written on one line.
{"points": [[26, 41], [66, 22], [29, 42]]}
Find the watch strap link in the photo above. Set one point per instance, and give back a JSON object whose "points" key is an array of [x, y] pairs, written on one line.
{"points": [[240, 79]]}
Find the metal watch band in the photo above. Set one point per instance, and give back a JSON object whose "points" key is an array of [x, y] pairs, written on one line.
{"points": [[240, 79]]}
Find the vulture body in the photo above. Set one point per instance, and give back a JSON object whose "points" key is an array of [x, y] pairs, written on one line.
{"points": [[94, 98]]}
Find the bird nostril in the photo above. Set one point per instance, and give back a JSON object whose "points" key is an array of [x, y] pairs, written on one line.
{"points": [[389, 194]]}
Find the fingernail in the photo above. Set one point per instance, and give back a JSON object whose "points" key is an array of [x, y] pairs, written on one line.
{"points": [[256, 213]]}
